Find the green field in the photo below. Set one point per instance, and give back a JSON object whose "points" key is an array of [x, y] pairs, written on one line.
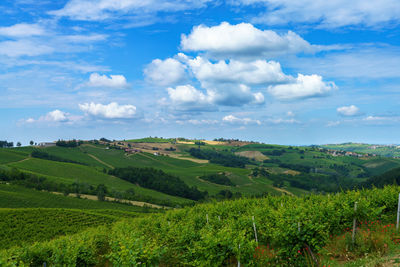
{"points": [[12, 196]]}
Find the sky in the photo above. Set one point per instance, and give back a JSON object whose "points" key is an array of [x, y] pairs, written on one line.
{"points": [[275, 71]]}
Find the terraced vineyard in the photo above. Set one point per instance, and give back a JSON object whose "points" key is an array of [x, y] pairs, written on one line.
{"points": [[273, 231]]}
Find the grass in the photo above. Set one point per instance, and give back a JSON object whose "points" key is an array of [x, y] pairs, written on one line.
{"points": [[10, 155]]}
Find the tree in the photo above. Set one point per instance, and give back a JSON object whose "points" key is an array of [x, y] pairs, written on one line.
{"points": [[101, 192], [18, 144], [31, 143]]}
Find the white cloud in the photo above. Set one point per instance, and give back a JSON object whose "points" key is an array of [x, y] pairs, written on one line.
{"points": [[244, 40], [24, 48], [233, 119], [282, 121], [22, 30], [332, 14], [55, 116], [165, 72], [79, 38], [110, 111], [114, 81], [304, 86], [235, 71], [348, 111], [109, 9], [187, 95]]}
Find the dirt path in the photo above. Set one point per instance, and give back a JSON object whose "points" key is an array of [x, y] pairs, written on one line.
{"points": [[135, 203], [283, 191], [20, 160], [102, 162], [202, 161]]}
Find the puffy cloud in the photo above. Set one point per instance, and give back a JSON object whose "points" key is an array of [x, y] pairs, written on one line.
{"points": [[234, 95], [332, 14], [187, 95], [55, 116], [24, 48], [109, 9], [235, 71], [22, 30], [243, 40], [114, 81], [110, 111], [348, 111], [165, 72], [233, 119], [304, 86]]}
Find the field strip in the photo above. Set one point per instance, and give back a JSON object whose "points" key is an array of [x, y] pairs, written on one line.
{"points": [[135, 203], [211, 183], [102, 162], [202, 161], [161, 162], [29, 157], [283, 191]]}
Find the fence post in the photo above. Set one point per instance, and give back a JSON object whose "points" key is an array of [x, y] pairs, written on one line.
{"points": [[298, 227], [207, 217], [354, 224], [398, 214], [239, 257], [255, 229]]}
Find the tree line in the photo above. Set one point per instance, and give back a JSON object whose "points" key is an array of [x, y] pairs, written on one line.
{"points": [[226, 159], [159, 181]]}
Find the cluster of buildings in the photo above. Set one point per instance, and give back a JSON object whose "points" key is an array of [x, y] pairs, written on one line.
{"points": [[337, 153]]}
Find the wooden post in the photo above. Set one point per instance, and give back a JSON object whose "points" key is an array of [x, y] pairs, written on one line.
{"points": [[255, 229], [207, 217], [353, 236], [219, 218], [239, 257], [298, 227], [398, 214]]}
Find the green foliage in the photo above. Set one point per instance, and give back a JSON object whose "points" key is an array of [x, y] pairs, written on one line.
{"points": [[185, 238], [224, 158], [158, 180], [44, 155], [70, 143], [24, 226], [217, 178], [12, 196]]}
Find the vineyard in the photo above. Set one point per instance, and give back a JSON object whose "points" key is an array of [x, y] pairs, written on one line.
{"points": [[23, 226], [275, 231]]}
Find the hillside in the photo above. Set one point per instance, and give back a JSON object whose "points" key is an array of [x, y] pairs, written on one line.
{"points": [[381, 150], [248, 169], [272, 231]]}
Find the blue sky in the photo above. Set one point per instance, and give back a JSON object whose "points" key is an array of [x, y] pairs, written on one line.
{"points": [[276, 71]]}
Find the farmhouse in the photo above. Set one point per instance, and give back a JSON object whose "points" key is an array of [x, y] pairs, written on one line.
{"points": [[132, 150], [47, 144]]}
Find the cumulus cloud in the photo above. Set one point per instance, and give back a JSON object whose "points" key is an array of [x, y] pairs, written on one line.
{"points": [[110, 111], [348, 111], [332, 14], [165, 72], [304, 86], [234, 71], [114, 81], [233, 119], [188, 95], [244, 40], [109, 9], [55, 116]]}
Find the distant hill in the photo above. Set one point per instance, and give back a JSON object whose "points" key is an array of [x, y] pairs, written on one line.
{"points": [[388, 178], [381, 150]]}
